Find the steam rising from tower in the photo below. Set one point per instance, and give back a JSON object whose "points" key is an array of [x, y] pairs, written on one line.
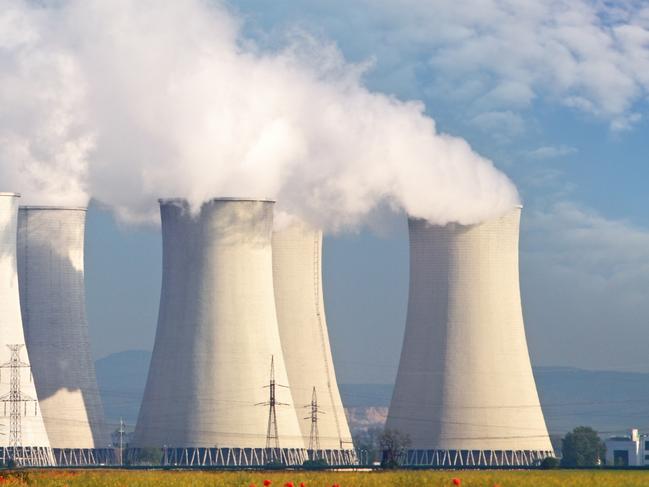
{"points": [[465, 393], [197, 108], [206, 398], [27, 443], [52, 297]]}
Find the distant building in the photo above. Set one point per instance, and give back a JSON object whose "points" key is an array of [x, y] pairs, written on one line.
{"points": [[632, 450]]}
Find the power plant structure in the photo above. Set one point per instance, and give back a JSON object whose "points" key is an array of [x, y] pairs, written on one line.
{"points": [[217, 390], [297, 274], [465, 393], [24, 440], [52, 298]]}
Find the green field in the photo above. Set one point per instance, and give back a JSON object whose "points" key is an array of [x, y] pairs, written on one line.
{"points": [[492, 478]]}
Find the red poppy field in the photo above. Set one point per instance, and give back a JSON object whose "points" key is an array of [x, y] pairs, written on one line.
{"points": [[399, 478]]}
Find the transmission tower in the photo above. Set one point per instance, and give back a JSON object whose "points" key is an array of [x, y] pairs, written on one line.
{"points": [[121, 431], [272, 436], [314, 436], [16, 400]]}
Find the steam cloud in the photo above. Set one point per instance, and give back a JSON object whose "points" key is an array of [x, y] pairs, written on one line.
{"points": [[126, 101]]}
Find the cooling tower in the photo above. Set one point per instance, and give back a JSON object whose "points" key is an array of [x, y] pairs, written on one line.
{"points": [[24, 439], [208, 391], [297, 258], [465, 393], [52, 299]]}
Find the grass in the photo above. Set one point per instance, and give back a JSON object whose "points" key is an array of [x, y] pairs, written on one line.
{"points": [[473, 478]]}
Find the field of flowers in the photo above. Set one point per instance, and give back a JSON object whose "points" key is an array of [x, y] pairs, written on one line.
{"points": [[492, 478]]}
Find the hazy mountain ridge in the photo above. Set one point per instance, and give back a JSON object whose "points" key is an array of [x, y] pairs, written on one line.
{"points": [[121, 378], [610, 401]]}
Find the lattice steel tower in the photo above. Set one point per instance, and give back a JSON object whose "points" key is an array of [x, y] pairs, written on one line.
{"points": [[16, 400], [314, 436], [27, 430], [272, 435]]}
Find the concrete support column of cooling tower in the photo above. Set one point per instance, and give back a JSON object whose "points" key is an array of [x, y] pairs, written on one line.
{"points": [[297, 273], [465, 393], [52, 297], [217, 331], [34, 447]]}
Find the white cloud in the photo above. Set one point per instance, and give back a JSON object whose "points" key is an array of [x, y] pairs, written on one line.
{"points": [[505, 124], [499, 55], [585, 283], [625, 122], [611, 249], [551, 152], [561, 50]]}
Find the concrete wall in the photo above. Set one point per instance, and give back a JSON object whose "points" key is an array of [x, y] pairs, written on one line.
{"points": [[11, 330], [217, 331], [52, 296], [623, 447], [297, 273], [464, 380]]}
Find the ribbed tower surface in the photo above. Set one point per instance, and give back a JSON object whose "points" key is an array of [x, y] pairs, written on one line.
{"points": [[465, 393], [217, 334], [24, 439], [297, 273], [52, 297]]}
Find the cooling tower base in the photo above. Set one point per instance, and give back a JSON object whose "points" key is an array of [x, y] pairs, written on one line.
{"points": [[475, 458], [27, 456], [225, 457], [83, 456], [334, 457]]}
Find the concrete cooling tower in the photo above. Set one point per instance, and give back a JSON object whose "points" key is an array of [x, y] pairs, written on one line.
{"points": [[465, 393], [52, 298], [211, 398], [297, 273], [24, 440]]}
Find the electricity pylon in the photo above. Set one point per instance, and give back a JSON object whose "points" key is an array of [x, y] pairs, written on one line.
{"points": [[314, 436], [272, 435], [16, 400]]}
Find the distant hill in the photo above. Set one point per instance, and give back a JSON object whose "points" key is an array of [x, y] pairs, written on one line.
{"points": [[608, 401], [122, 378]]}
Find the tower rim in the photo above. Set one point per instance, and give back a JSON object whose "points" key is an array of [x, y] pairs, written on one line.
{"points": [[52, 207], [518, 207], [171, 200]]}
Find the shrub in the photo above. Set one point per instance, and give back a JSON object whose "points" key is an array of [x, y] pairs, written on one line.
{"points": [[549, 463]]}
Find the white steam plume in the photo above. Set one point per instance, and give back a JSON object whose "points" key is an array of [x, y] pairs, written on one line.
{"points": [[129, 100], [45, 137]]}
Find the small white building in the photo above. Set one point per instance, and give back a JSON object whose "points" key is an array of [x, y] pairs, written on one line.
{"points": [[631, 450]]}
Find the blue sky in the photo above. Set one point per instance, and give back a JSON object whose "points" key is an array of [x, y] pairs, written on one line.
{"points": [[555, 94]]}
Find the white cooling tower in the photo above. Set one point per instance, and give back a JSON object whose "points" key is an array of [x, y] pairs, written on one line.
{"points": [[297, 273], [52, 298], [206, 396], [24, 439], [465, 393]]}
